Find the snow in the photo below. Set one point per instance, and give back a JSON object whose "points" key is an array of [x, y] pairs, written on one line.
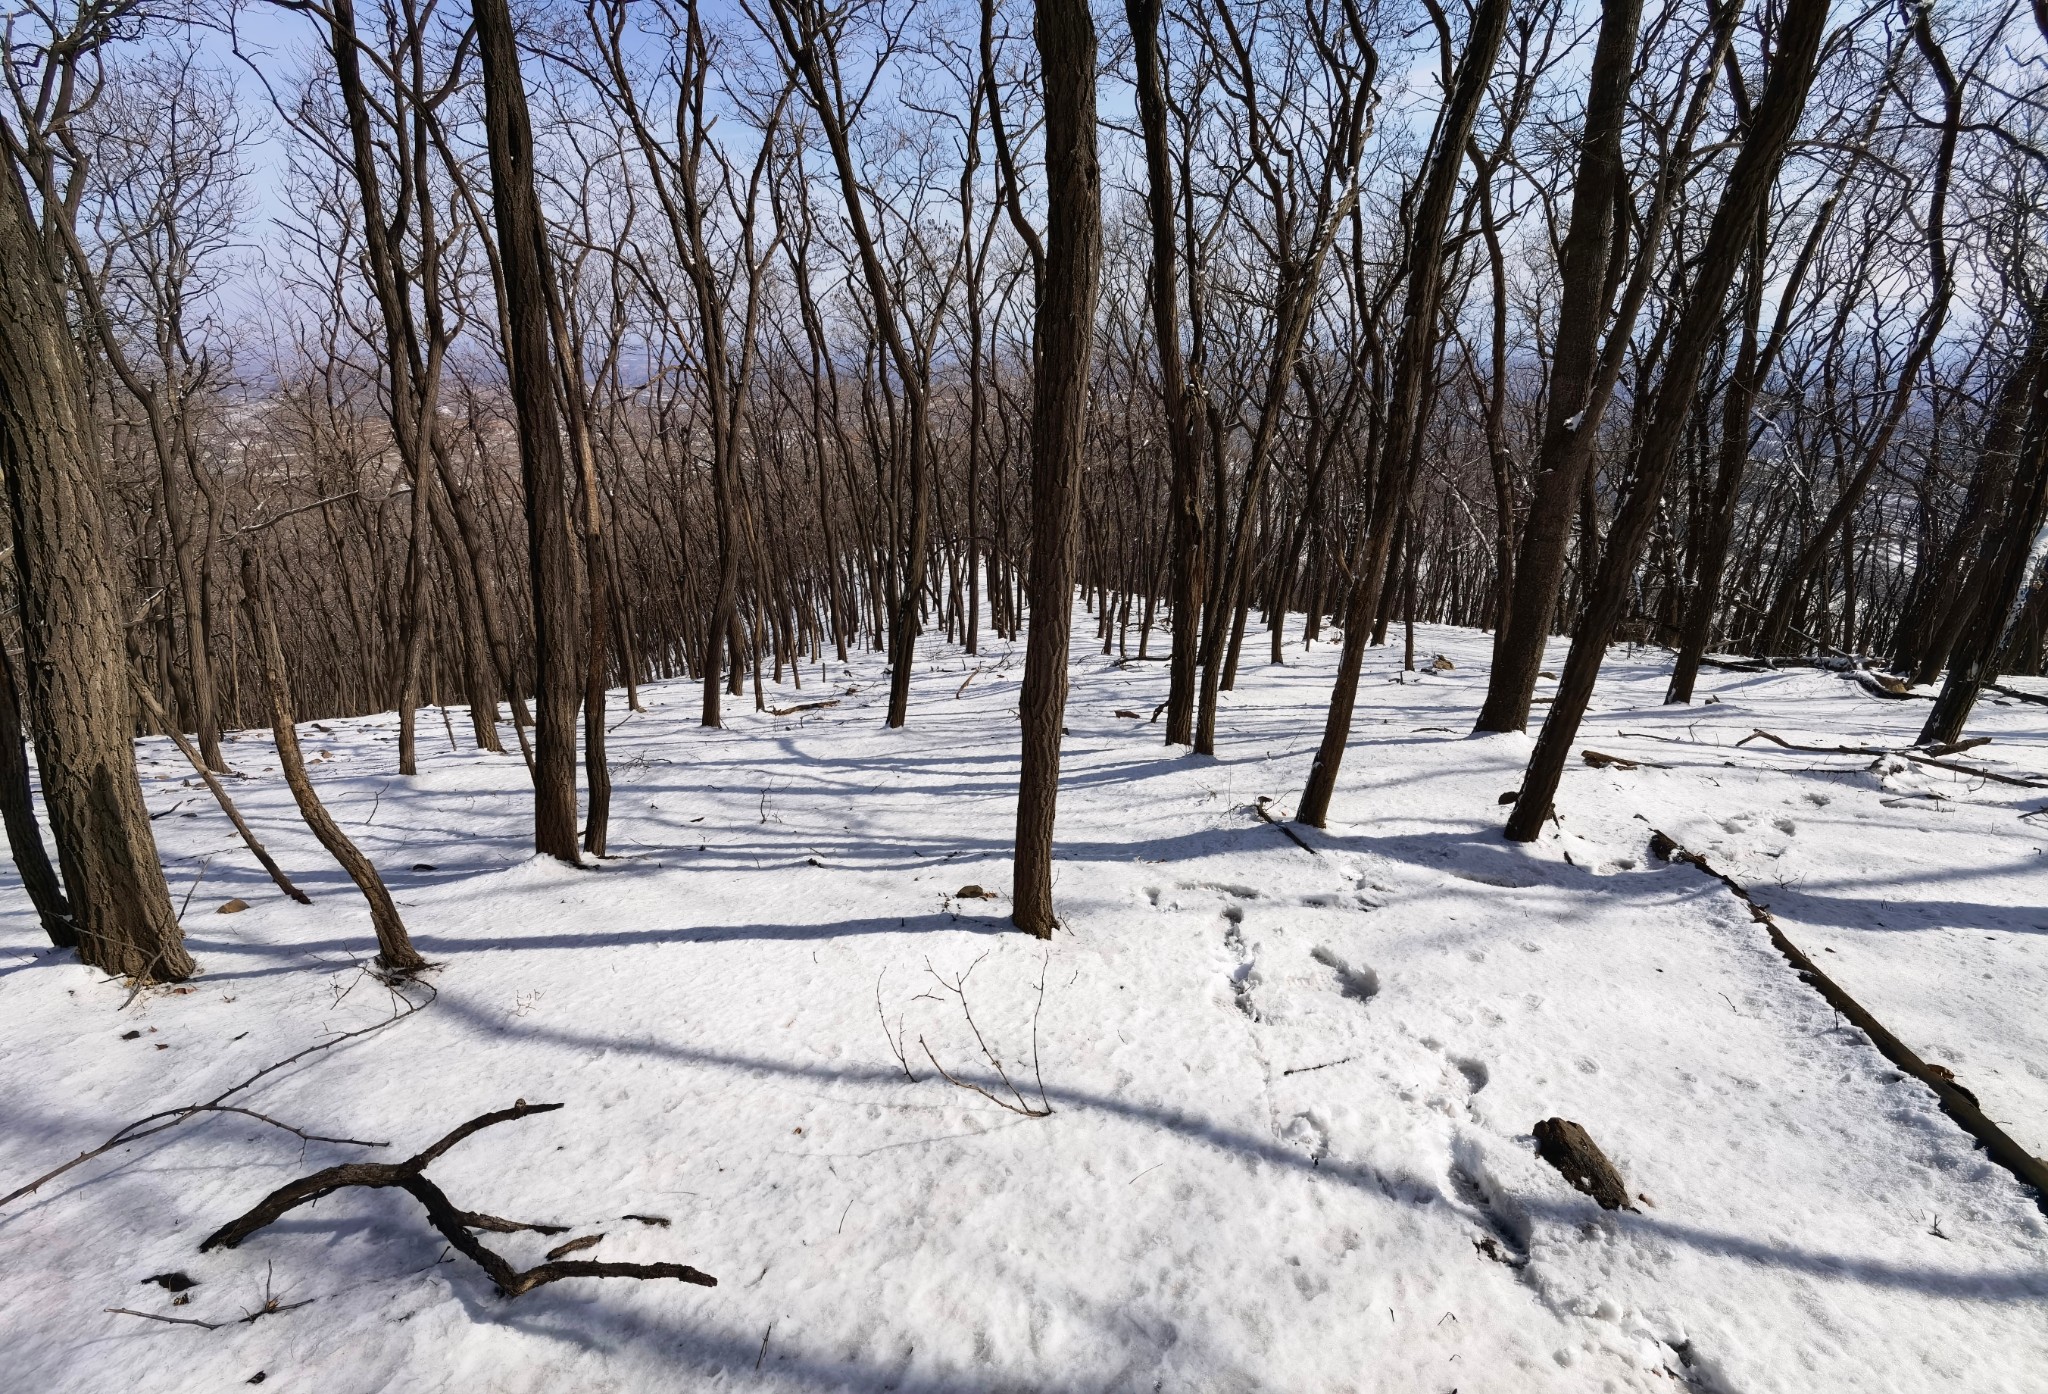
{"points": [[1292, 1093]]}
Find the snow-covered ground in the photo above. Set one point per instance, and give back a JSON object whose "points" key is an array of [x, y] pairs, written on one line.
{"points": [[1292, 1093]]}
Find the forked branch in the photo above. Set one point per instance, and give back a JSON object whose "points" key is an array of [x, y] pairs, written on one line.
{"points": [[455, 1225]]}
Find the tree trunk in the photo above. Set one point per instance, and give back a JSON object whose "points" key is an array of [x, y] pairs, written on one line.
{"points": [[1185, 493], [2002, 561], [522, 245], [1699, 326], [72, 642], [1570, 427], [1065, 338], [24, 834], [1403, 430], [395, 953]]}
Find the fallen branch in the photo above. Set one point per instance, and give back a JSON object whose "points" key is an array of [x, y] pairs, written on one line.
{"points": [[1891, 689], [1956, 747], [802, 707], [168, 1321], [1956, 1101], [171, 1118], [455, 1225], [2003, 690], [1953, 766], [1259, 807], [1600, 760], [1571, 1149]]}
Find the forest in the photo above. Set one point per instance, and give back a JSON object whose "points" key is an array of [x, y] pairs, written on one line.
{"points": [[1451, 597]]}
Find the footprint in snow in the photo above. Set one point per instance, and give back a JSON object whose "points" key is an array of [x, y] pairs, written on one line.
{"points": [[1360, 984], [1307, 1132], [1244, 974]]}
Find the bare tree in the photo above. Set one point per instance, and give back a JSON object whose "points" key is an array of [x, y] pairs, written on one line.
{"points": [[1733, 228]]}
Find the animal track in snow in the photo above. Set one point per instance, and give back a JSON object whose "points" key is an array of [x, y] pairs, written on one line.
{"points": [[1505, 1242], [1333, 900], [1477, 1076], [1487, 878], [1306, 1131], [1245, 974], [1360, 984], [1228, 888]]}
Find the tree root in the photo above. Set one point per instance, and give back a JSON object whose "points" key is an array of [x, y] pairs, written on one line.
{"points": [[455, 1225]]}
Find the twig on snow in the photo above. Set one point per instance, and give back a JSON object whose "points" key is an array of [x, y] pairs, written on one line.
{"points": [[958, 987], [895, 1039], [168, 1321], [1259, 807], [170, 1118]]}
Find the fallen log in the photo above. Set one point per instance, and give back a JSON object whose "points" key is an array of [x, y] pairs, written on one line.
{"points": [[1601, 760], [1953, 766], [1955, 1100], [2018, 693]]}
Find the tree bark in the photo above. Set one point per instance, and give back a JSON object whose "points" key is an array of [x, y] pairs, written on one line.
{"points": [[24, 834], [2002, 560], [1185, 493], [1570, 427]]}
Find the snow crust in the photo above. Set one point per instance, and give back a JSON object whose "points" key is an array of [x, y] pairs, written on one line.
{"points": [[1292, 1093]]}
